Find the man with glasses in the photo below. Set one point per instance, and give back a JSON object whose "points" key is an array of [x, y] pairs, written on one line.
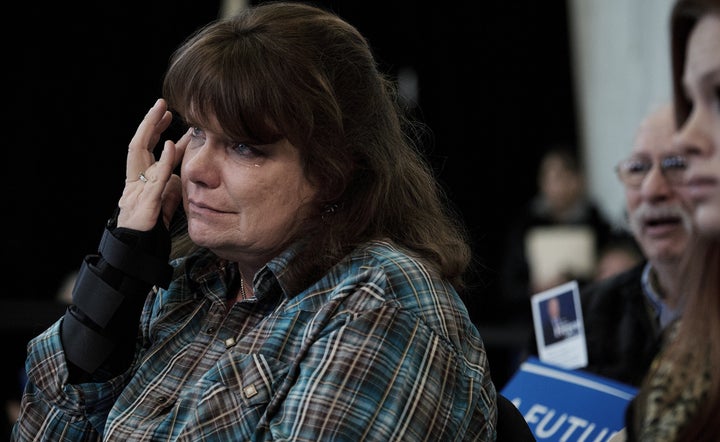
{"points": [[625, 315]]}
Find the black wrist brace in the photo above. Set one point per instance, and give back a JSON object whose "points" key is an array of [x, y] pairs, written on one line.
{"points": [[100, 328]]}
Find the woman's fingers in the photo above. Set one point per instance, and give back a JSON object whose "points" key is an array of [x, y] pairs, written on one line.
{"points": [[140, 152], [143, 200], [149, 184], [171, 198], [180, 147]]}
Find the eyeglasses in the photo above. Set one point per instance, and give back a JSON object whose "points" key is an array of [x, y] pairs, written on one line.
{"points": [[632, 172]]}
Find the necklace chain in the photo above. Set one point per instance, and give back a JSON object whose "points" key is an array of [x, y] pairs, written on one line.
{"points": [[242, 288]]}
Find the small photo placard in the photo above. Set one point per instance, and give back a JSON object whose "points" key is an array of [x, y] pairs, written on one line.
{"points": [[559, 329]]}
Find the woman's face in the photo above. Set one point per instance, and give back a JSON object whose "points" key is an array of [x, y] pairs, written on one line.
{"points": [[243, 202], [699, 136]]}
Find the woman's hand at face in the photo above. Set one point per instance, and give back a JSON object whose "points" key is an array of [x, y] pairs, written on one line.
{"points": [[150, 185]]}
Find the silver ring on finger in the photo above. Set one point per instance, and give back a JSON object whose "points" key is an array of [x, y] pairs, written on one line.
{"points": [[142, 177]]}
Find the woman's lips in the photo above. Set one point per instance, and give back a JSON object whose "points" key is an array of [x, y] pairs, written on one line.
{"points": [[201, 208], [700, 187]]}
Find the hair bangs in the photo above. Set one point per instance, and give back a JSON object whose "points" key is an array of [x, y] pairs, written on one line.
{"points": [[229, 94]]}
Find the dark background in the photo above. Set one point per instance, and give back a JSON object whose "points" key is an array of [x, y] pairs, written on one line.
{"points": [[495, 89]]}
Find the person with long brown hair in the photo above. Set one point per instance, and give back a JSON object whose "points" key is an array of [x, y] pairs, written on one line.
{"points": [[311, 291], [680, 397]]}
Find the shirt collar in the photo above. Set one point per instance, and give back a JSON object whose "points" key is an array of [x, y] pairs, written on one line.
{"points": [[664, 315]]}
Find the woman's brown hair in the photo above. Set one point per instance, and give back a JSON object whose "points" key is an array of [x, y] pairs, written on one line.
{"points": [[291, 70]]}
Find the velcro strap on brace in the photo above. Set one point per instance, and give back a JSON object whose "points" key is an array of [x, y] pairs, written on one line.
{"points": [[143, 266], [97, 299], [86, 348]]}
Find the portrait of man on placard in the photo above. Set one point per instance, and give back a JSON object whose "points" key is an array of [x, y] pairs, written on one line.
{"points": [[557, 325]]}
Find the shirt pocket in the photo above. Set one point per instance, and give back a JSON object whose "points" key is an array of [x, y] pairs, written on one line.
{"points": [[237, 391], [230, 401], [253, 376]]}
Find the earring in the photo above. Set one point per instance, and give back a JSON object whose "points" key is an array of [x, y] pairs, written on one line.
{"points": [[329, 210]]}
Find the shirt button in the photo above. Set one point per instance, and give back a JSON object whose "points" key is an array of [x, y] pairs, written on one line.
{"points": [[210, 330]]}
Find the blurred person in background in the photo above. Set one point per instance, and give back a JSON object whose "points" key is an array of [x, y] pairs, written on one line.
{"points": [[561, 202], [560, 210], [680, 397], [625, 316]]}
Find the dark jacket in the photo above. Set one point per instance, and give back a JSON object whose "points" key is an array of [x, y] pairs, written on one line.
{"points": [[622, 334]]}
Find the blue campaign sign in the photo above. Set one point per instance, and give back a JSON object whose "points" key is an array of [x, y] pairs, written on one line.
{"points": [[568, 405]]}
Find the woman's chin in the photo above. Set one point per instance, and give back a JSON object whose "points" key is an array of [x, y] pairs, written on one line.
{"points": [[707, 220], [203, 236]]}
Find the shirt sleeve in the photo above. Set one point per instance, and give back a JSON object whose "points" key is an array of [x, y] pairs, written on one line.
{"points": [[52, 409]]}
